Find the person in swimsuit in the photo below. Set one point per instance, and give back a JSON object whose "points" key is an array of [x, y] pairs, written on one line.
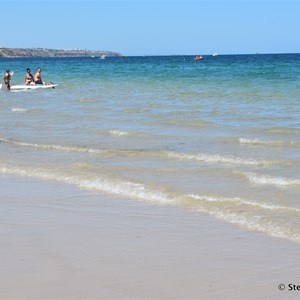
{"points": [[6, 80], [38, 77], [29, 80]]}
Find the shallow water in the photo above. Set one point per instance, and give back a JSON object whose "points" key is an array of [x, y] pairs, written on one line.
{"points": [[220, 136]]}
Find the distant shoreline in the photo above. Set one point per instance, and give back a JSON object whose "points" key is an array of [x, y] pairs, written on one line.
{"points": [[65, 53], [44, 52]]}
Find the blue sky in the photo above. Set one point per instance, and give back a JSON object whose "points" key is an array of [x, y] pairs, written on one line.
{"points": [[153, 27]]}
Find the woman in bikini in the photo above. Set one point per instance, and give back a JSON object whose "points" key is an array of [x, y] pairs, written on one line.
{"points": [[6, 80], [29, 80]]}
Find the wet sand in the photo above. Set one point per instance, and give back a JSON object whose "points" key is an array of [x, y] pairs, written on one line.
{"points": [[58, 242]]}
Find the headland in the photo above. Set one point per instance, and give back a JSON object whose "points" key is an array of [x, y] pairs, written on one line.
{"points": [[44, 52]]}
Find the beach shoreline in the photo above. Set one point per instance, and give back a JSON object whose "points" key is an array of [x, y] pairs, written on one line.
{"points": [[59, 242]]}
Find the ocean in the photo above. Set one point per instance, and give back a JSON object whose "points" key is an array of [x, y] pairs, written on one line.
{"points": [[219, 136]]}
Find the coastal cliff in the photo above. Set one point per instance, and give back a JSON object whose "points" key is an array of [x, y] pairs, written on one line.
{"points": [[42, 52]]}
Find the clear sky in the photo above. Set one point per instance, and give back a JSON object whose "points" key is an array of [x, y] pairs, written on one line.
{"points": [[157, 27]]}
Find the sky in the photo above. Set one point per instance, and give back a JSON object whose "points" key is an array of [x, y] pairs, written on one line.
{"points": [[157, 27]]}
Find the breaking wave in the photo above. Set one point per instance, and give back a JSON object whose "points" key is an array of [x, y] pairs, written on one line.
{"points": [[101, 184], [24, 110], [252, 215], [245, 141], [270, 180], [197, 157], [118, 133], [215, 158]]}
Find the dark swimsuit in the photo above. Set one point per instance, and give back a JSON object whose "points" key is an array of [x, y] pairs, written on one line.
{"points": [[29, 79], [6, 80]]}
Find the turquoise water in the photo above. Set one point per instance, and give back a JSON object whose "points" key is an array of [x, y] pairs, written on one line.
{"points": [[220, 136]]}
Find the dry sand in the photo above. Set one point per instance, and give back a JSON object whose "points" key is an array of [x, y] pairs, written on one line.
{"points": [[58, 242]]}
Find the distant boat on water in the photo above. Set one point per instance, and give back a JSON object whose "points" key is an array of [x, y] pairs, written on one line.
{"points": [[198, 57], [215, 54], [102, 56]]}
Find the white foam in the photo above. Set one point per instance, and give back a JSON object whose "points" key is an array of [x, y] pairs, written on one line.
{"points": [[54, 147], [258, 142], [251, 215], [19, 109], [258, 220], [269, 180], [217, 159], [239, 201], [105, 185], [199, 157], [118, 133]]}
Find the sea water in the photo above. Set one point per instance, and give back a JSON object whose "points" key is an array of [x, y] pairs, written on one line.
{"points": [[219, 136]]}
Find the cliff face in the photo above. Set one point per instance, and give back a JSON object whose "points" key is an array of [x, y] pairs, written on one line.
{"points": [[42, 52]]}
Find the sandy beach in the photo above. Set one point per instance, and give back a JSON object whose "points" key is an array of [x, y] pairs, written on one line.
{"points": [[59, 242], [144, 172]]}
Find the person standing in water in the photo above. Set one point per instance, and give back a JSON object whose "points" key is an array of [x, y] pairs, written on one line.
{"points": [[6, 79]]}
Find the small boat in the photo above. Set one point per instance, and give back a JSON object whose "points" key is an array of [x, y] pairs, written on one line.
{"points": [[32, 87], [198, 57], [102, 56]]}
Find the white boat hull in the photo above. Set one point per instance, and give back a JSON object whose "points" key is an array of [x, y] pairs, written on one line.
{"points": [[32, 87]]}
